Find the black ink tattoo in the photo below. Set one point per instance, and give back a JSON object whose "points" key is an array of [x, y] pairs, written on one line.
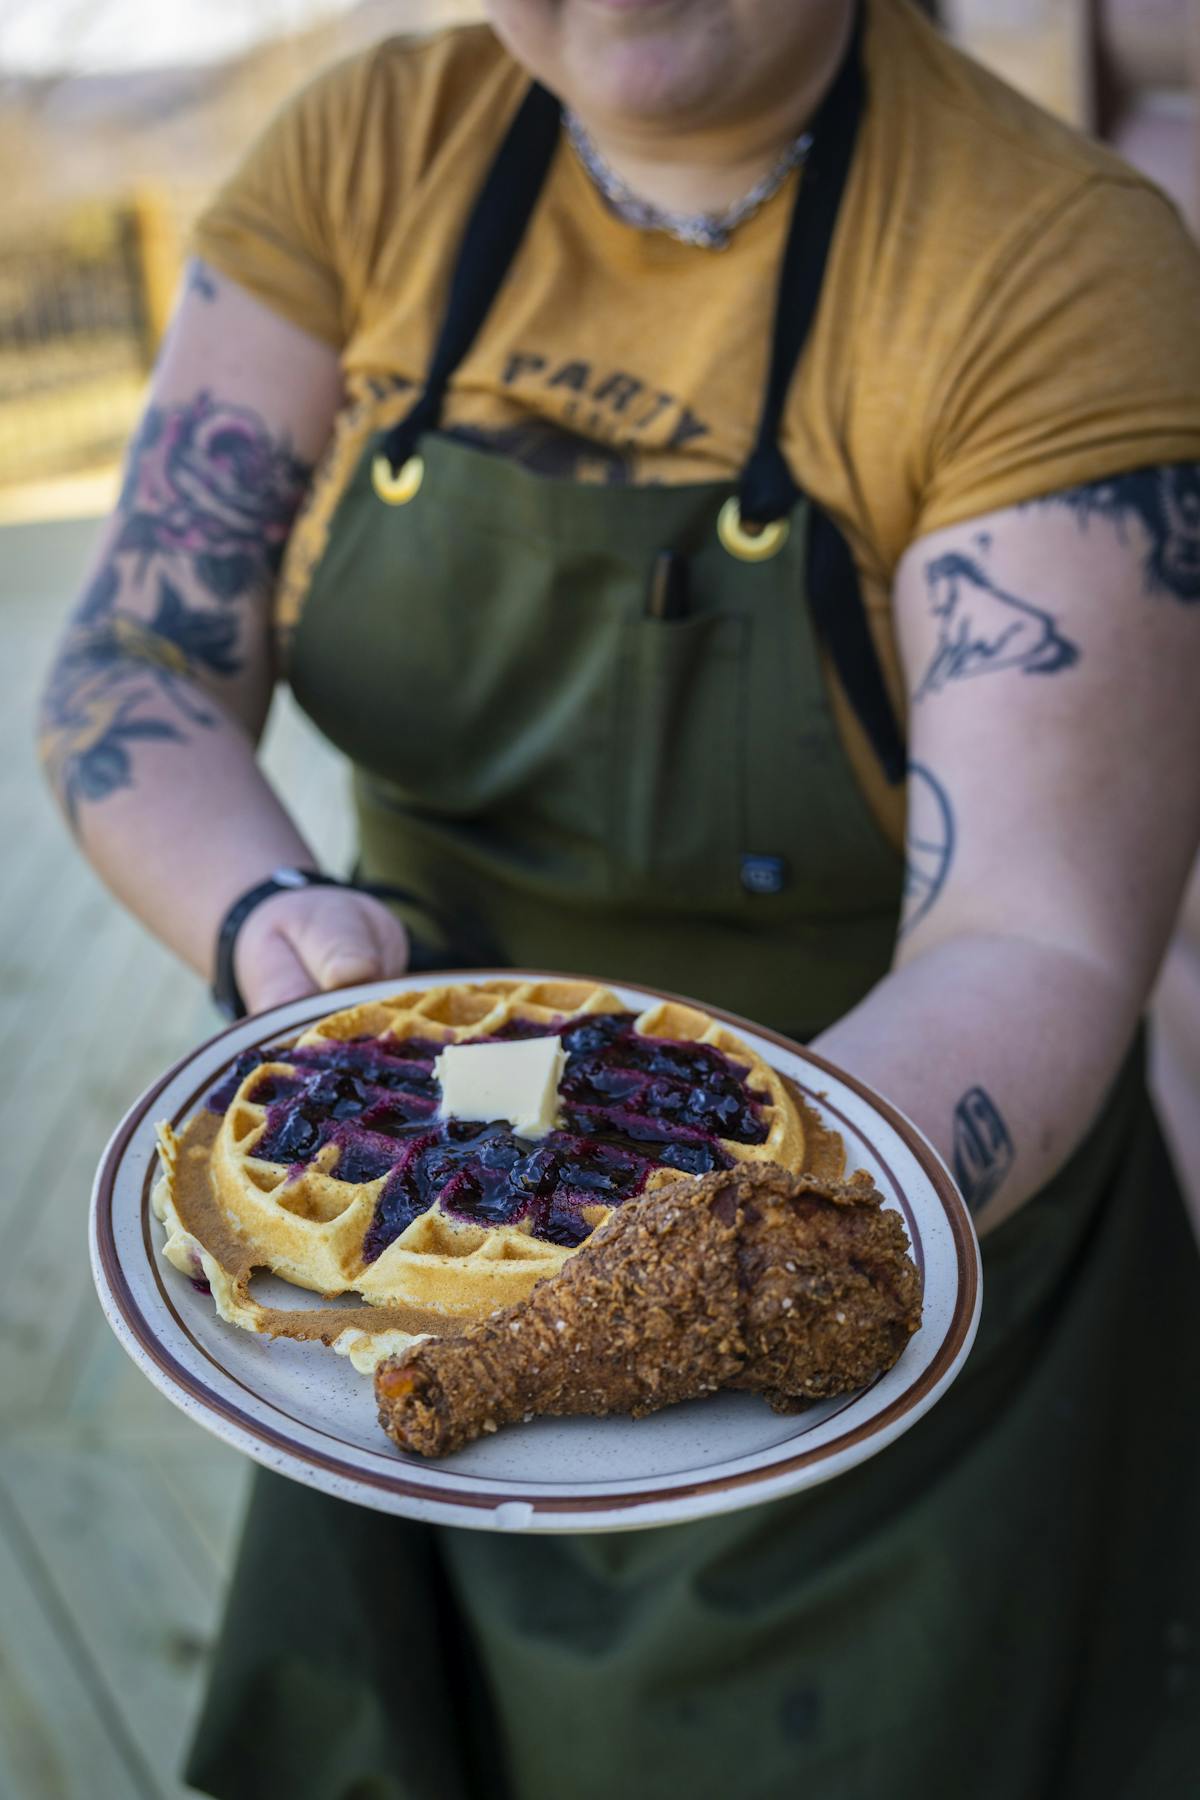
{"points": [[983, 1149], [201, 282], [208, 493], [1163, 505], [982, 628], [928, 843]]}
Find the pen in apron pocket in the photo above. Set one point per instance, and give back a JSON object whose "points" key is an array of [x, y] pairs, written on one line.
{"points": [[667, 594]]}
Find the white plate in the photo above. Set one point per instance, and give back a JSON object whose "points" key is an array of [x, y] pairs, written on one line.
{"points": [[304, 1412]]}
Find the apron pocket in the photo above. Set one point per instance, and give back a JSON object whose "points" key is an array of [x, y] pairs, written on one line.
{"points": [[677, 756]]}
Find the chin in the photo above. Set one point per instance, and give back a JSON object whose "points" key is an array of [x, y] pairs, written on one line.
{"points": [[664, 60], [644, 81]]}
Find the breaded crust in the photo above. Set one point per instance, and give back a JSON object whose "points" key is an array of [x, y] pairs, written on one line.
{"points": [[792, 1286]]}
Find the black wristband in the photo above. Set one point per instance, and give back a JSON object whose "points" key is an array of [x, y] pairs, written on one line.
{"points": [[422, 958], [225, 991]]}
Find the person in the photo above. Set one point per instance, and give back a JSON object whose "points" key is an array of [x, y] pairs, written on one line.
{"points": [[1149, 65], [675, 449]]}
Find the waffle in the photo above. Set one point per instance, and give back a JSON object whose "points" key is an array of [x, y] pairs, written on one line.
{"points": [[232, 1211]]}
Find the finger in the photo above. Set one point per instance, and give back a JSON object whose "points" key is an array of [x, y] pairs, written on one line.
{"points": [[391, 940], [274, 973], [338, 947]]}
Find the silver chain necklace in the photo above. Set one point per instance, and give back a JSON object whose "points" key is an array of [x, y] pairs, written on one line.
{"points": [[709, 231]]}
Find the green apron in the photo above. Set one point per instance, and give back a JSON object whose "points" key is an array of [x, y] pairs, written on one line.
{"points": [[590, 732]]}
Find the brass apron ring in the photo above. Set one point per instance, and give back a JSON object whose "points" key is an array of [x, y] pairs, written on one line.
{"points": [[747, 545], [397, 489]]}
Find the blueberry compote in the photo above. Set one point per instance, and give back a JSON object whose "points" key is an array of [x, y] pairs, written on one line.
{"points": [[692, 1088], [628, 1104], [221, 1098]]}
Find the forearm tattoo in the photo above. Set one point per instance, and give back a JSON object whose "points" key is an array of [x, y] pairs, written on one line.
{"points": [[983, 1149], [207, 504], [928, 842], [982, 628], [1158, 511]]}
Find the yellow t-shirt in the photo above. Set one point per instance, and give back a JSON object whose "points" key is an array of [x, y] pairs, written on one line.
{"points": [[1008, 309]]}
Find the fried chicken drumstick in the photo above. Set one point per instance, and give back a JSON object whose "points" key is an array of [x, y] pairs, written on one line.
{"points": [[793, 1287]]}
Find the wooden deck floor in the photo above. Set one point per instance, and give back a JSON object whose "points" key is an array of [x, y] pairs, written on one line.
{"points": [[117, 1516]]}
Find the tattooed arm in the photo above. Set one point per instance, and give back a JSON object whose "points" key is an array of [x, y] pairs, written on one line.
{"points": [[1052, 657], [163, 675]]}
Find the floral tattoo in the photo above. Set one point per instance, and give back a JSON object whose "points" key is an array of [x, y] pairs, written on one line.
{"points": [[205, 510], [205, 481]]}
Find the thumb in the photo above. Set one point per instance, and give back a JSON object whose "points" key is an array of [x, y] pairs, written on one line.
{"points": [[273, 975], [338, 947]]}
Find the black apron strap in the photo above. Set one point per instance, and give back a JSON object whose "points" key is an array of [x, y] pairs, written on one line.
{"points": [[767, 490], [493, 233], [835, 600]]}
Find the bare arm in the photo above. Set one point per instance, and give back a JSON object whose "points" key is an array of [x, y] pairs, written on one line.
{"points": [[1052, 655], [163, 677]]}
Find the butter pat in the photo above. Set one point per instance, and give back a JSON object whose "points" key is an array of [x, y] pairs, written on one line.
{"points": [[515, 1080]]}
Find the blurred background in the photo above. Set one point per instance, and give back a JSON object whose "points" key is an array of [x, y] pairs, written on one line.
{"points": [[117, 117]]}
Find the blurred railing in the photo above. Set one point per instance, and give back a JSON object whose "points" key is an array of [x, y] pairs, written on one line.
{"points": [[84, 298]]}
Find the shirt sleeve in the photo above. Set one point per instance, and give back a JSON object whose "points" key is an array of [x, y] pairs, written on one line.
{"points": [[1084, 361], [280, 226]]}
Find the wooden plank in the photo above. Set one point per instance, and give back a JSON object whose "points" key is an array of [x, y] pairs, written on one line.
{"points": [[32, 881], [48, 562], [99, 1390], [142, 1612], [43, 1248], [60, 1736], [201, 1482], [207, 1483]]}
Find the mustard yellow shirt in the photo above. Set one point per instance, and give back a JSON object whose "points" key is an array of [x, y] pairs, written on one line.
{"points": [[1008, 309]]}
